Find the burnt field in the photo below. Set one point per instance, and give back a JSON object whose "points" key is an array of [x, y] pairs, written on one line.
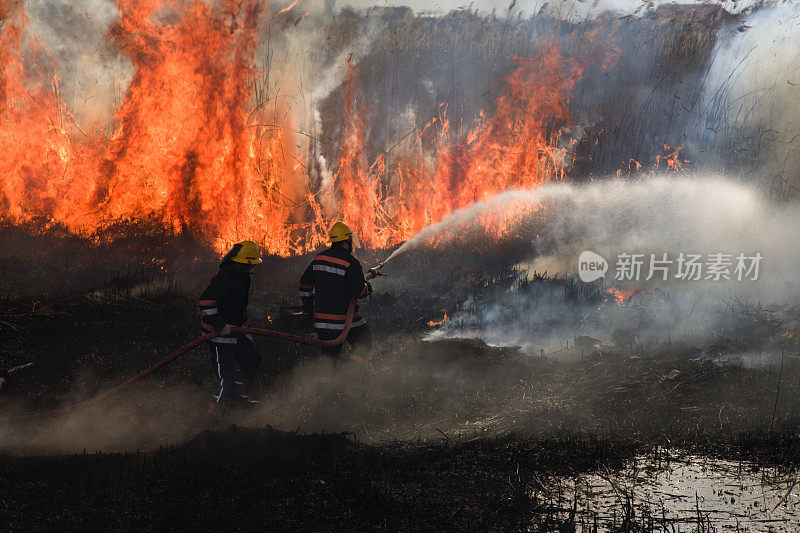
{"points": [[443, 434]]}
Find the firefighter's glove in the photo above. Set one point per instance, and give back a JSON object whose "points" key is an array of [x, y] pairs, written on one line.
{"points": [[376, 271]]}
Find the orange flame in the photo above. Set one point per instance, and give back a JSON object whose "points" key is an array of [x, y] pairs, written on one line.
{"points": [[620, 295], [432, 323], [671, 157], [512, 149], [193, 151]]}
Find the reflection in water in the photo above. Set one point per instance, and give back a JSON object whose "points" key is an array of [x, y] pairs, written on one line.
{"points": [[683, 493]]}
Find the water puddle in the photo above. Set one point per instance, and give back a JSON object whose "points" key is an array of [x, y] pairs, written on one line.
{"points": [[685, 493]]}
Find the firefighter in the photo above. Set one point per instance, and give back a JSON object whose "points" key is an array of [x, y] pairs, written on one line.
{"points": [[223, 305], [332, 279]]}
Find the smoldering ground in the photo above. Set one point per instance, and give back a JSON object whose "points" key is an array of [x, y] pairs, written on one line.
{"points": [[416, 388], [450, 390], [673, 216], [150, 417]]}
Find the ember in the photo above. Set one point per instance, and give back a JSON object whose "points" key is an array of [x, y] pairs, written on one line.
{"points": [[433, 323], [621, 295]]}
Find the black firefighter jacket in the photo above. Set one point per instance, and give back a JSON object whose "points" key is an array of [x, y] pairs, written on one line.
{"points": [[332, 279], [225, 299]]}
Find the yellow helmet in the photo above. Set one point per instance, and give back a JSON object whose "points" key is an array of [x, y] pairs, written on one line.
{"points": [[340, 232], [247, 253]]}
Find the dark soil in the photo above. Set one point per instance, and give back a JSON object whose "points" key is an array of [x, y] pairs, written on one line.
{"points": [[429, 435], [245, 479]]}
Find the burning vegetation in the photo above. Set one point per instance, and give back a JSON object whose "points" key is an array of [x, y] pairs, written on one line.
{"points": [[203, 139], [197, 146]]}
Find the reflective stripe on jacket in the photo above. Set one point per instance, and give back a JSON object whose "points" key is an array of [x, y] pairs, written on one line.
{"points": [[225, 300], [328, 284]]}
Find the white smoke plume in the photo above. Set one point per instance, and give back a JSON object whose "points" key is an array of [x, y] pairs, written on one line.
{"points": [[663, 215], [92, 76], [563, 9], [752, 90]]}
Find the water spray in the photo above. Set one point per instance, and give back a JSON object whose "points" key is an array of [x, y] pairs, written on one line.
{"points": [[461, 218]]}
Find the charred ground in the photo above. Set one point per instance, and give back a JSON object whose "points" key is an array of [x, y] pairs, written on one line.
{"points": [[445, 434]]}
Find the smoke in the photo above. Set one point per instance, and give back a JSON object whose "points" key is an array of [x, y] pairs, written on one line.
{"points": [[704, 216], [750, 98], [92, 76], [411, 389], [747, 100], [328, 77], [446, 72], [149, 417], [414, 388], [565, 9]]}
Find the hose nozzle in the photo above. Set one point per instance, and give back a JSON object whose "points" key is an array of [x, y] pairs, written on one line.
{"points": [[376, 270]]}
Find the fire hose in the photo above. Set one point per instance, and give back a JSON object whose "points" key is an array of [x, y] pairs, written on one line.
{"points": [[190, 346]]}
